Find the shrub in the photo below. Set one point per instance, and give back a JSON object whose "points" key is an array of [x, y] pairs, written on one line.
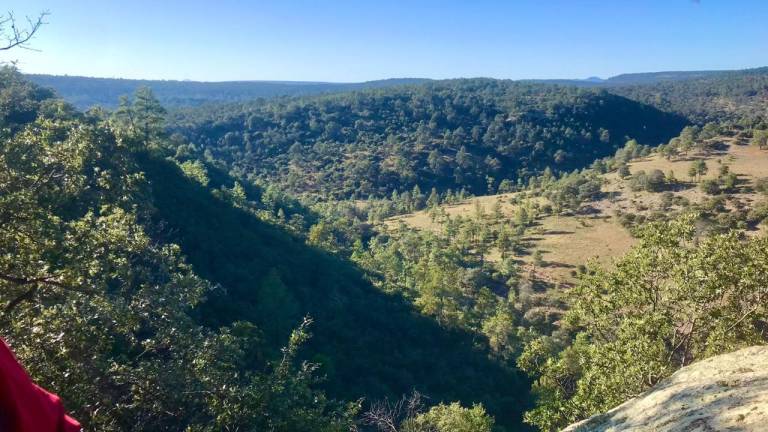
{"points": [[710, 187]]}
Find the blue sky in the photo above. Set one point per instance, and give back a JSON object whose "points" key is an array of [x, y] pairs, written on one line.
{"points": [[363, 40]]}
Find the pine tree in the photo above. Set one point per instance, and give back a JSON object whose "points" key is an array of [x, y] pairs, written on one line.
{"points": [[149, 115], [434, 199]]}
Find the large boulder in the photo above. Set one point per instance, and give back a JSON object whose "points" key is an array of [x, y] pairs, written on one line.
{"points": [[728, 392]]}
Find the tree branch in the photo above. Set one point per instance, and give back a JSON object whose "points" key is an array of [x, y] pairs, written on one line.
{"points": [[26, 295], [44, 280], [19, 37], [36, 283]]}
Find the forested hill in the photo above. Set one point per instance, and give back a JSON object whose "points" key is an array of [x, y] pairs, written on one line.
{"points": [[85, 92], [700, 96], [470, 134]]}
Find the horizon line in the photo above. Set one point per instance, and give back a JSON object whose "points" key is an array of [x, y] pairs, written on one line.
{"points": [[278, 81]]}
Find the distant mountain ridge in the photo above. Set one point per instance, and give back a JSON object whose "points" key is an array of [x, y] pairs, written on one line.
{"points": [[656, 77], [701, 96], [85, 92], [641, 78]]}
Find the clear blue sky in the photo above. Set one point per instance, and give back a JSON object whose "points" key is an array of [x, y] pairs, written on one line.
{"points": [[356, 40]]}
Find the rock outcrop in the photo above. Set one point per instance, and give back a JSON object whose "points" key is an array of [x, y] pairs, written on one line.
{"points": [[728, 392]]}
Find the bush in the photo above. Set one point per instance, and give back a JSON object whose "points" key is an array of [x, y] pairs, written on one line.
{"points": [[624, 171], [655, 181], [710, 187], [452, 418]]}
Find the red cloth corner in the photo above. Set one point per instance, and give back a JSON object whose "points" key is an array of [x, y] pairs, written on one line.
{"points": [[25, 407]]}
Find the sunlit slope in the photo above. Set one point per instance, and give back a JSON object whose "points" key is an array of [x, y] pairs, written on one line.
{"points": [[567, 241]]}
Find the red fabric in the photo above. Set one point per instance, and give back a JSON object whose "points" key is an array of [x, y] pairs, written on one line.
{"points": [[25, 407]]}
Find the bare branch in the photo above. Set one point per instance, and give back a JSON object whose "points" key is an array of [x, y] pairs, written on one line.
{"points": [[16, 36], [389, 417]]}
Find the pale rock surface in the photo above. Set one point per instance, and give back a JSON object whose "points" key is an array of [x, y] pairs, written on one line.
{"points": [[728, 392]]}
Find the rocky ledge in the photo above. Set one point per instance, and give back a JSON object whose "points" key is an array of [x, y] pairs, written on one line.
{"points": [[728, 392]]}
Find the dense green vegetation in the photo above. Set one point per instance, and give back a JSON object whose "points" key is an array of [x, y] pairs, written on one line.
{"points": [[101, 312], [86, 92], [645, 78], [698, 95], [231, 268], [470, 134], [368, 343]]}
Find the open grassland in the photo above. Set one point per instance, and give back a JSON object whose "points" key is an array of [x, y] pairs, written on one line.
{"points": [[422, 219], [743, 159], [566, 242]]}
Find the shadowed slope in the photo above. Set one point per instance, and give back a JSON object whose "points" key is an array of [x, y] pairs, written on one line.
{"points": [[370, 344]]}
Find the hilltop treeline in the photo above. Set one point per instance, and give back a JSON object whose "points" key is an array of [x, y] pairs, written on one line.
{"points": [[735, 96]]}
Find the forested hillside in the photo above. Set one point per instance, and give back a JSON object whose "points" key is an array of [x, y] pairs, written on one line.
{"points": [[463, 134], [86, 92], [627, 271], [151, 296], [646, 78], [484, 269], [698, 95]]}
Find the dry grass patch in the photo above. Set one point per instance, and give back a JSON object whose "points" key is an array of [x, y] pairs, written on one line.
{"points": [[567, 242], [466, 208]]}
